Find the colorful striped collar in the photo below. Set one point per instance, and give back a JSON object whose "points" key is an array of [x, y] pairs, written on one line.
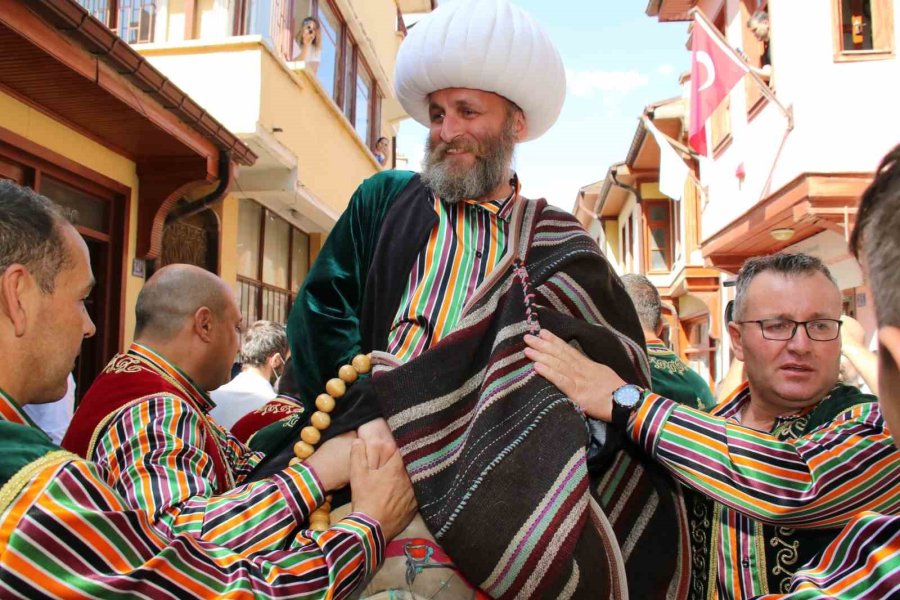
{"points": [[501, 208], [731, 407], [656, 344], [12, 412], [164, 367]]}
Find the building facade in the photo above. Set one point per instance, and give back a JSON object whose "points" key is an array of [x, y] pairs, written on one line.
{"points": [[89, 123], [641, 230], [782, 174], [313, 124]]}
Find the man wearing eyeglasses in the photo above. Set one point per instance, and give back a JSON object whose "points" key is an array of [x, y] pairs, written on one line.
{"points": [[782, 464]]}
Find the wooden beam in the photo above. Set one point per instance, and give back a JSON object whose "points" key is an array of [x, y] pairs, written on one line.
{"points": [[190, 18]]}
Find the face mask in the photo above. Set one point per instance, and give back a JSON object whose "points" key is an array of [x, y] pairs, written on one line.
{"points": [[275, 369]]}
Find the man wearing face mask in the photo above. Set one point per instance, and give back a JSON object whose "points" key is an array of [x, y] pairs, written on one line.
{"points": [[263, 354]]}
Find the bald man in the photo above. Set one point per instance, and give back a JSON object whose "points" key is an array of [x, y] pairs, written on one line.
{"points": [[145, 420]]}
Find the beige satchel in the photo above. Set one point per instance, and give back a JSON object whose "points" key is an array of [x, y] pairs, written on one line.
{"points": [[415, 568]]}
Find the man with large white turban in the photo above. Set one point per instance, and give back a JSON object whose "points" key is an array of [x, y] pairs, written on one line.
{"points": [[439, 275]]}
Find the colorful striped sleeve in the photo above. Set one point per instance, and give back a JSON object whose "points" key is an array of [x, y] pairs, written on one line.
{"points": [[154, 454], [242, 459], [67, 533], [824, 478], [863, 562]]}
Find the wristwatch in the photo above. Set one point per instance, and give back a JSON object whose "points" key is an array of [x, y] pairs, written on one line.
{"points": [[626, 400]]}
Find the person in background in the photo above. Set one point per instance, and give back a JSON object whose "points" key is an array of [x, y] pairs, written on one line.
{"points": [[54, 417], [859, 365], [382, 147], [670, 377], [264, 351], [735, 375], [310, 40], [758, 23], [287, 409]]}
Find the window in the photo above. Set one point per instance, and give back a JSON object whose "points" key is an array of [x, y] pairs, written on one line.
{"points": [[720, 119], [658, 244], [344, 73], [101, 208], [363, 105], [757, 54], [273, 259], [627, 238], [863, 29], [132, 20], [329, 68], [701, 348]]}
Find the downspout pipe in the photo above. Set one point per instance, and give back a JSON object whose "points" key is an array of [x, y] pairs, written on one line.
{"points": [[192, 208], [625, 186]]}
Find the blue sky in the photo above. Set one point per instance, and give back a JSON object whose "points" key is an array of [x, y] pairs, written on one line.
{"points": [[618, 60]]}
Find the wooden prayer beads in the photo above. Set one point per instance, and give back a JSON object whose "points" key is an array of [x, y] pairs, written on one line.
{"points": [[320, 519]]}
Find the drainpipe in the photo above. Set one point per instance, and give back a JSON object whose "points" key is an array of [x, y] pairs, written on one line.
{"points": [[625, 186], [192, 208]]}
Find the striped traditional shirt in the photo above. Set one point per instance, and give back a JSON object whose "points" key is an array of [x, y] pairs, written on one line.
{"points": [[155, 456], [821, 479], [66, 532], [468, 241], [862, 563]]}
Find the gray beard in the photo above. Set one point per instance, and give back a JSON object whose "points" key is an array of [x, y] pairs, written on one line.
{"points": [[489, 171]]}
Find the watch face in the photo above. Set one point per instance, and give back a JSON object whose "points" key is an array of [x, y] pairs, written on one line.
{"points": [[627, 395]]}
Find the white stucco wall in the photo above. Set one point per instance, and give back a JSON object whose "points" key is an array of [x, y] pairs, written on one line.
{"points": [[845, 113]]}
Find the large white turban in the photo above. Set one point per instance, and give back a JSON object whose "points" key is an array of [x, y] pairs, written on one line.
{"points": [[489, 45]]}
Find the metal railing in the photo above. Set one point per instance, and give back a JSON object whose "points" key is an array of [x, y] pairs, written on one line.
{"points": [[133, 20]]}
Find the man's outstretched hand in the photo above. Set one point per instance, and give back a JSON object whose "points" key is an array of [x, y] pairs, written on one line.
{"points": [[588, 384], [383, 493]]}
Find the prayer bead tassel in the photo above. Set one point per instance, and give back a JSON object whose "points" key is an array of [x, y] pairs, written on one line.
{"points": [[320, 519]]}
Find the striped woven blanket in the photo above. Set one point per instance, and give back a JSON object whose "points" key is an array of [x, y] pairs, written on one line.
{"points": [[497, 455]]}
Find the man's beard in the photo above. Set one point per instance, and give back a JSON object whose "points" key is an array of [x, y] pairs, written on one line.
{"points": [[492, 161]]}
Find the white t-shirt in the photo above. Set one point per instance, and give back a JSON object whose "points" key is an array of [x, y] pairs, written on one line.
{"points": [[243, 394], [54, 417]]}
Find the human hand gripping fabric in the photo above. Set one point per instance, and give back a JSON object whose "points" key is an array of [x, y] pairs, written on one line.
{"points": [[379, 440], [385, 493], [587, 383], [331, 462]]}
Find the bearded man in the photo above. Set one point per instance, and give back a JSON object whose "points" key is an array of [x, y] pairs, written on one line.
{"points": [[439, 275]]}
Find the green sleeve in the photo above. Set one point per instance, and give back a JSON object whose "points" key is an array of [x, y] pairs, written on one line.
{"points": [[323, 327]]}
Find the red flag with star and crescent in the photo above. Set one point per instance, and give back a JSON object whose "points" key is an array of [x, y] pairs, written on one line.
{"points": [[715, 70]]}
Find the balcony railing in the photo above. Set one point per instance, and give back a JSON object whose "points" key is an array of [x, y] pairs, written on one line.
{"points": [[132, 20], [271, 19]]}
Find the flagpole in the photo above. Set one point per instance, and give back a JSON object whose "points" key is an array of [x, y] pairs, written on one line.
{"points": [[764, 87]]}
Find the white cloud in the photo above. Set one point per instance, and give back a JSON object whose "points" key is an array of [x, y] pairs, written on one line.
{"points": [[585, 84], [665, 69]]}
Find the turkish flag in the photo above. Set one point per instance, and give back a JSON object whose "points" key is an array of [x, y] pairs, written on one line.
{"points": [[715, 69]]}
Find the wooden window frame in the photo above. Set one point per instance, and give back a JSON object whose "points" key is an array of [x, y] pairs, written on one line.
{"points": [[345, 99], [707, 349], [36, 161], [648, 225], [259, 286], [753, 50], [113, 13], [883, 13]]}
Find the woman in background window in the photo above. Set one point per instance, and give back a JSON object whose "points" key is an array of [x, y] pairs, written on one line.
{"points": [[381, 150], [310, 44]]}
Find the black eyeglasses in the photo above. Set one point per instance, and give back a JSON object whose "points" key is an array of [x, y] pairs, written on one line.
{"points": [[820, 330]]}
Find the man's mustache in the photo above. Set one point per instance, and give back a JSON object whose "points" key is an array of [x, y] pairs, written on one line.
{"points": [[440, 151]]}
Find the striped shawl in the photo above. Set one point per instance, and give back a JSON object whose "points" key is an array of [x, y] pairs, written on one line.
{"points": [[497, 455]]}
